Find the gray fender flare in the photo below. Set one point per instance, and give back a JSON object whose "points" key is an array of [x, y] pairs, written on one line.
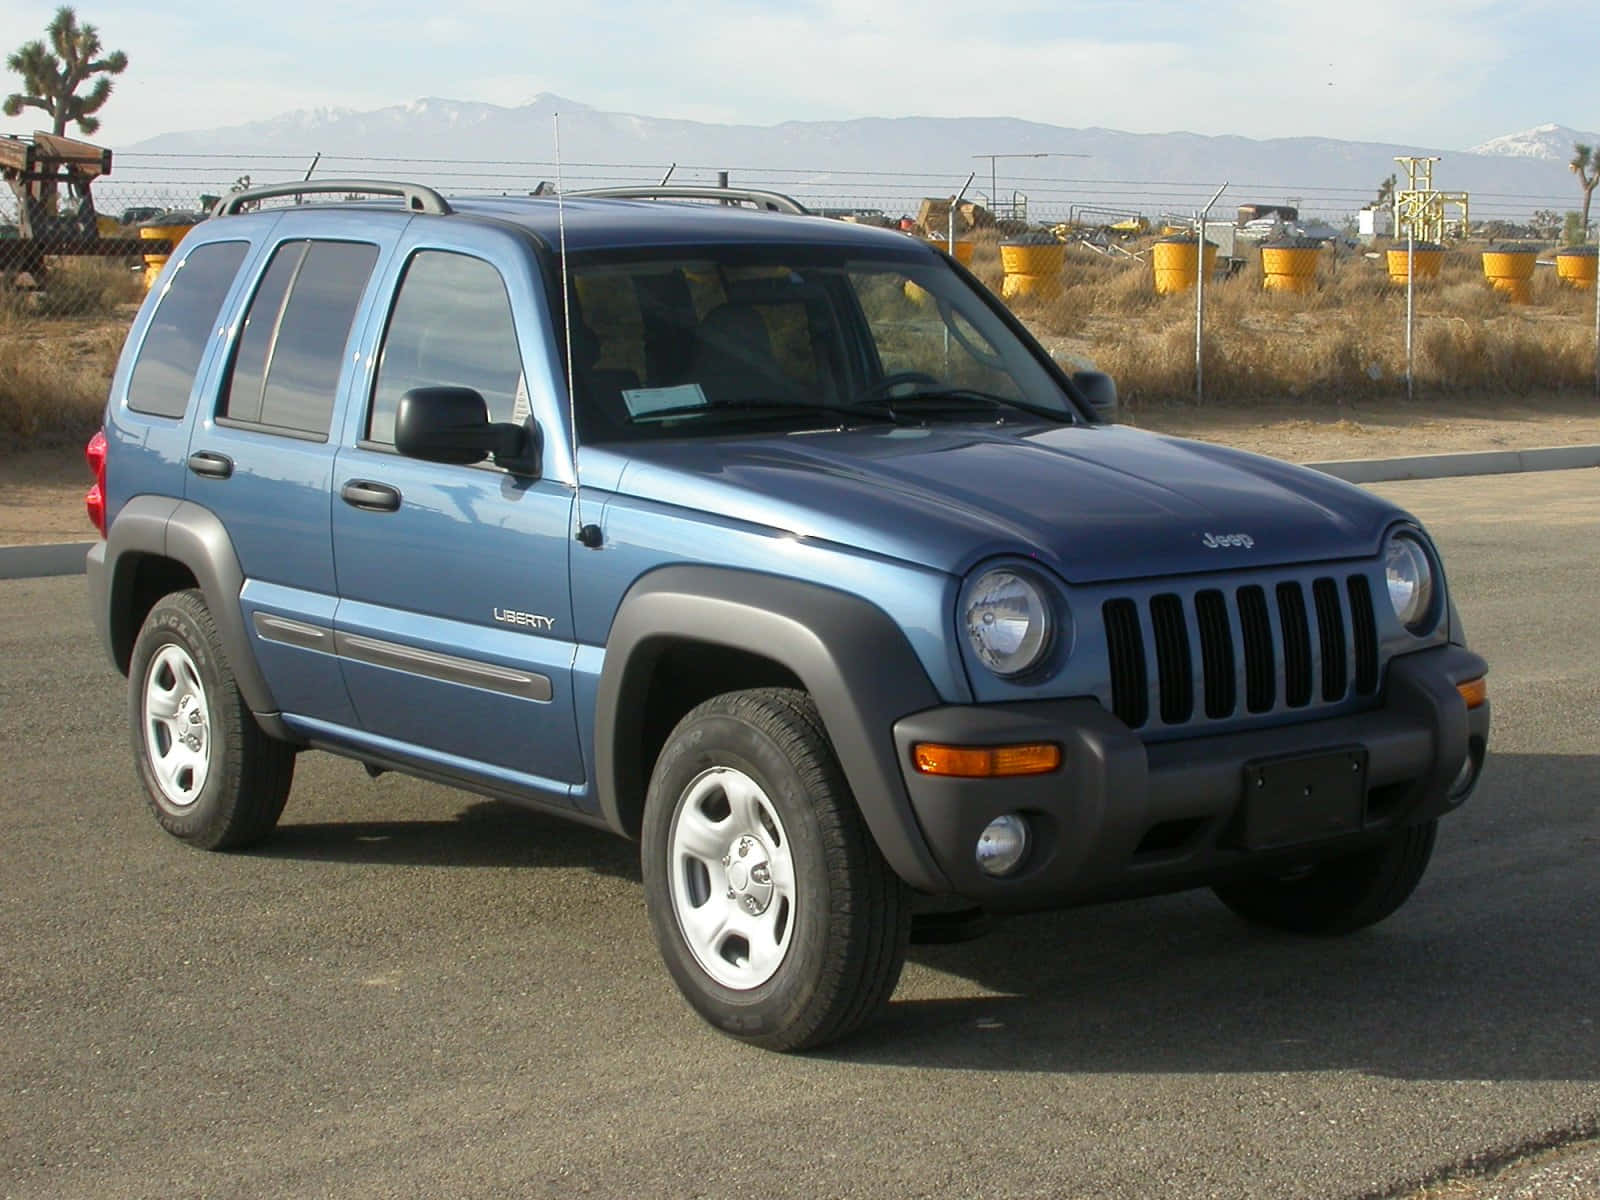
{"points": [[186, 533], [852, 658]]}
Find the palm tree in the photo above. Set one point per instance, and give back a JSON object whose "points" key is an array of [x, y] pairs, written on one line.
{"points": [[1585, 165], [53, 73]]}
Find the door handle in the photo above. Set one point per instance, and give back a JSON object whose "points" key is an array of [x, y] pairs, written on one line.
{"points": [[374, 497], [210, 464]]}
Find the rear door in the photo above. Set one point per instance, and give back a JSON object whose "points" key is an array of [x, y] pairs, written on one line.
{"points": [[455, 617], [261, 456]]}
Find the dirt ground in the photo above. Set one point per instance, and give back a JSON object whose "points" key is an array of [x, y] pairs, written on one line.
{"points": [[1301, 432], [41, 490]]}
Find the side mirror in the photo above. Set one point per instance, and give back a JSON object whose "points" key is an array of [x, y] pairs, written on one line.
{"points": [[1099, 390], [451, 425]]}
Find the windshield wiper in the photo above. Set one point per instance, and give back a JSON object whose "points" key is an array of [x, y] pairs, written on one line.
{"points": [[951, 401], [768, 406]]}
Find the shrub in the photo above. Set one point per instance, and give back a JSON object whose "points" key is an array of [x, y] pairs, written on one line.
{"points": [[54, 375]]}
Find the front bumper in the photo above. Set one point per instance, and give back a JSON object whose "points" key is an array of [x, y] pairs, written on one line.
{"points": [[1122, 818]]}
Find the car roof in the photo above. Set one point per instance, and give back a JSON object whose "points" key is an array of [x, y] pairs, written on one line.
{"points": [[596, 223]]}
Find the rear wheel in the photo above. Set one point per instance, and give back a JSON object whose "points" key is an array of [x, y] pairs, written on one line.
{"points": [[211, 776], [777, 916], [1338, 895]]}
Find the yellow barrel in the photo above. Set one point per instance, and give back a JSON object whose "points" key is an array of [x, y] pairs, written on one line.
{"points": [[1576, 266], [1290, 265], [1033, 267], [961, 251], [1176, 258], [153, 263], [1429, 256], [1509, 269]]}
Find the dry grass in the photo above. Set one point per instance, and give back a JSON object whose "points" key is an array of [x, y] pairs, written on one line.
{"points": [[1345, 341], [58, 348]]}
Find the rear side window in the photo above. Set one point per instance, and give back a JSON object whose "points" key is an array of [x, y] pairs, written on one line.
{"points": [[451, 325], [286, 368], [176, 340]]}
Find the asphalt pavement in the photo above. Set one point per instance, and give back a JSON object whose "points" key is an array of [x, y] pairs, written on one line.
{"points": [[412, 991]]}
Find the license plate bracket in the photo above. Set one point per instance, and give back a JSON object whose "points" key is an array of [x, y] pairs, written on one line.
{"points": [[1304, 798]]}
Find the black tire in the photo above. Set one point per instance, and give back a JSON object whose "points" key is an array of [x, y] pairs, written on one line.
{"points": [[227, 790], [1339, 895], [849, 916]]}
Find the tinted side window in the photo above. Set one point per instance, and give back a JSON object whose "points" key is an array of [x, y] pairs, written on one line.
{"points": [[241, 397], [291, 351], [184, 319], [451, 325]]}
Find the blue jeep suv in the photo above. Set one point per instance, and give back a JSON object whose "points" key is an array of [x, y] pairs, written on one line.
{"points": [[772, 542]]}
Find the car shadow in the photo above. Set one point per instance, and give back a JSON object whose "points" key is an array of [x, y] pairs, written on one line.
{"points": [[1490, 972], [485, 833]]}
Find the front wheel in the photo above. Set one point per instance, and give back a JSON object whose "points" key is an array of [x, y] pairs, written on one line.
{"points": [[1338, 895], [776, 914]]}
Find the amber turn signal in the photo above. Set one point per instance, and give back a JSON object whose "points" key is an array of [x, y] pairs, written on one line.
{"points": [[986, 762], [1475, 691]]}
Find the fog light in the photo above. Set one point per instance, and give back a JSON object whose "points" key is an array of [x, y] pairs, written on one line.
{"points": [[1468, 775], [1003, 844]]}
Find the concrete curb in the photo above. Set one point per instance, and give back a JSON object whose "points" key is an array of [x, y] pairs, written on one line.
{"points": [[35, 562], [1446, 466]]}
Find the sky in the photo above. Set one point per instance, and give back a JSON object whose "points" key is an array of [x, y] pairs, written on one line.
{"points": [[1447, 74]]}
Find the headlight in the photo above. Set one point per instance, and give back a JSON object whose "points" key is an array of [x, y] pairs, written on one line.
{"points": [[1008, 621], [1409, 573]]}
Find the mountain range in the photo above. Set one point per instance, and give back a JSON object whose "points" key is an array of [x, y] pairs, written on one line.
{"points": [[882, 162]]}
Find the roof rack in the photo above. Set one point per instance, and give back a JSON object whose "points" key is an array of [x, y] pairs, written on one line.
{"points": [[417, 197], [768, 201]]}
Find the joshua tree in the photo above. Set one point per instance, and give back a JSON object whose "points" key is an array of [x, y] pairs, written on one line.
{"points": [[54, 69], [1585, 165]]}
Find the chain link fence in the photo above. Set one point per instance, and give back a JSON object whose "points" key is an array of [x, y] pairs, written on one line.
{"points": [[1337, 333]]}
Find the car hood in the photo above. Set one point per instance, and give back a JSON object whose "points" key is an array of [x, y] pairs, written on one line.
{"points": [[1093, 503]]}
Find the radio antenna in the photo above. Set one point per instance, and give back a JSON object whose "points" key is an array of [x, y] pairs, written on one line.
{"points": [[586, 535]]}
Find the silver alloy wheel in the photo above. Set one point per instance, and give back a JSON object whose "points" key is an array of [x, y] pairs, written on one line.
{"points": [[732, 878], [177, 725]]}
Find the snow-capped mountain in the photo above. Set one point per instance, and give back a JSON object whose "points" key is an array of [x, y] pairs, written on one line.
{"points": [[879, 162], [1550, 142]]}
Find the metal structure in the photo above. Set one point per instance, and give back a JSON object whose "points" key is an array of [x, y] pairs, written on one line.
{"points": [[46, 169], [1016, 208], [1419, 209], [51, 177]]}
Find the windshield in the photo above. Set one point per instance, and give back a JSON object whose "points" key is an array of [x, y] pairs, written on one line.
{"points": [[703, 341]]}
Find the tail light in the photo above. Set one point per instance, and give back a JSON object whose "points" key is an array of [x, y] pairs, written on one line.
{"points": [[95, 501]]}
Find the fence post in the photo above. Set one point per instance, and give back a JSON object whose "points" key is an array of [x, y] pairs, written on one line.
{"points": [[1411, 292], [1200, 301], [950, 237]]}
